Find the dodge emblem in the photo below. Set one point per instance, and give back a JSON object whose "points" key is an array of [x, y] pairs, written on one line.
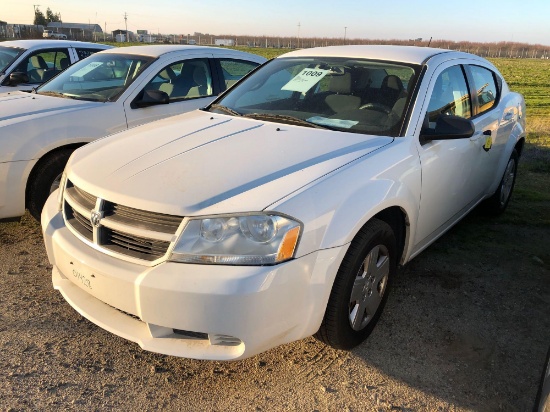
{"points": [[95, 218]]}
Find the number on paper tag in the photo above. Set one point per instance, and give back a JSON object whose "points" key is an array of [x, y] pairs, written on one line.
{"points": [[305, 80]]}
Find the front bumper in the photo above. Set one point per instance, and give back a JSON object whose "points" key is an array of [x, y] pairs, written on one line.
{"points": [[196, 311]]}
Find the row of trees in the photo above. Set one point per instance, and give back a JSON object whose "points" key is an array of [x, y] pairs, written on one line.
{"points": [[43, 20], [484, 49]]}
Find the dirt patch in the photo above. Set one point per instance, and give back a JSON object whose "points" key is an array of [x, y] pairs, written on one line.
{"points": [[466, 327]]}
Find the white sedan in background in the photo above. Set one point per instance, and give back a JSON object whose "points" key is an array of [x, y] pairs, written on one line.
{"points": [[108, 92], [25, 64], [283, 209]]}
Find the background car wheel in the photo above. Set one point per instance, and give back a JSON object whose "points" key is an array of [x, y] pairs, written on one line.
{"points": [[361, 287], [44, 179], [497, 203]]}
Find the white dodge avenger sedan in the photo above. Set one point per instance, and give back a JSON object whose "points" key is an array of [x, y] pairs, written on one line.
{"points": [[283, 209], [108, 92]]}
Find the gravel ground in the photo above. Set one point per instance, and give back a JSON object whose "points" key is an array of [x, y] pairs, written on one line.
{"points": [[466, 327]]}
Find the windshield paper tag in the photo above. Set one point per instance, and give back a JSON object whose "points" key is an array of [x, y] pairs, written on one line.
{"points": [[305, 80], [340, 123]]}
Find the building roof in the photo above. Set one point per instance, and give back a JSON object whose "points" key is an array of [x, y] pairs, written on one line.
{"points": [[96, 28]]}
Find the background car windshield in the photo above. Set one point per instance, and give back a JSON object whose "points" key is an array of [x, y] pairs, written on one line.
{"points": [[97, 78], [352, 95], [8, 55]]}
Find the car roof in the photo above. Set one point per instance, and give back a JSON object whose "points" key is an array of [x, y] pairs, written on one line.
{"points": [[161, 49], [46, 43], [405, 54]]}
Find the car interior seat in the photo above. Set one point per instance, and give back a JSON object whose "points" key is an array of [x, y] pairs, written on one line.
{"points": [[193, 81], [200, 78], [184, 81], [38, 68], [391, 90], [168, 76], [341, 98], [64, 63]]}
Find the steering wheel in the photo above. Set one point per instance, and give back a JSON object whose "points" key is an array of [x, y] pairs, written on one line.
{"points": [[379, 107]]}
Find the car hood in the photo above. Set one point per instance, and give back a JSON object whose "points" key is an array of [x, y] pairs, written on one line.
{"points": [[203, 163], [21, 106]]}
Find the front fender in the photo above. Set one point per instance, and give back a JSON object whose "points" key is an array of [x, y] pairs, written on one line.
{"points": [[334, 208]]}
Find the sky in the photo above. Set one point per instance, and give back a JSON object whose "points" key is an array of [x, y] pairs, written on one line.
{"points": [[469, 20]]}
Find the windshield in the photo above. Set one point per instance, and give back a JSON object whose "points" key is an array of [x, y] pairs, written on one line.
{"points": [[352, 95], [100, 77], [8, 55]]}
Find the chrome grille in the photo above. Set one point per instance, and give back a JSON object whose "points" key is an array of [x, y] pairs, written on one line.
{"points": [[83, 198], [146, 220], [123, 230], [139, 247], [79, 222]]}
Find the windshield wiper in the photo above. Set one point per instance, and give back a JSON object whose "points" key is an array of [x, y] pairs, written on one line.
{"points": [[55, 94], [283, 118], [226, 109]]}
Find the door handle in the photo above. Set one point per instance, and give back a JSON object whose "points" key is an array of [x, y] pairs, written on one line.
{"points": [[488, 140]]}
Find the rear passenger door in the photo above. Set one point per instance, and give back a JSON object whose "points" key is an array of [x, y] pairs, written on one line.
{"points": [[490, 130], [79, 53], [232, 70]]}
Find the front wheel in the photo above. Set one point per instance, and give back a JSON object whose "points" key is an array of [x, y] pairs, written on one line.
{"points": [[44, 180], [497, 203], [361, 287]]}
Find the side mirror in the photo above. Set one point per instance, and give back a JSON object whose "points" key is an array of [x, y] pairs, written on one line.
{"points": [[151, 98], [18, 78], [447, 128]]}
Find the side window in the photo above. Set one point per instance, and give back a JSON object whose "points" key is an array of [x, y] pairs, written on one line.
{"points": [[44, 64], [186, 79], [486, 88], [450, 95], [83, 53], [233, 70]]}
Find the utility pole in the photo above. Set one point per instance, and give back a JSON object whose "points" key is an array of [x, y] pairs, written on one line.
{"points": [[126, 23], [345, 33], [299, 35]]}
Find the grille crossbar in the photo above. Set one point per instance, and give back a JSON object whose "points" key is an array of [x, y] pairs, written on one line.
{"points": [[120, 241]]}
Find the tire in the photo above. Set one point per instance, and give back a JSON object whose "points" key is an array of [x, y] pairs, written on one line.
{"points": [[497, 203], [44, 179], [358, 296]]}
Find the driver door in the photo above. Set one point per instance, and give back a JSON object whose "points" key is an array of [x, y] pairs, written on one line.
{"points": [[188, 84], [451, 182]]}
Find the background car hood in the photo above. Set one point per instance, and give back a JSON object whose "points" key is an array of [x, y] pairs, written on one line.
{"points": [[21, 106], [203, 163]]}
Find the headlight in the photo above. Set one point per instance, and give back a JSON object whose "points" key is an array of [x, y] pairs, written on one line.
{"points": [[245, 239], [62, 183]]}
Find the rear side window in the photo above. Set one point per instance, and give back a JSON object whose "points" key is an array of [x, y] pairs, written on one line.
{"points": [[83, 53], [233, 70], [486, 88]]}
